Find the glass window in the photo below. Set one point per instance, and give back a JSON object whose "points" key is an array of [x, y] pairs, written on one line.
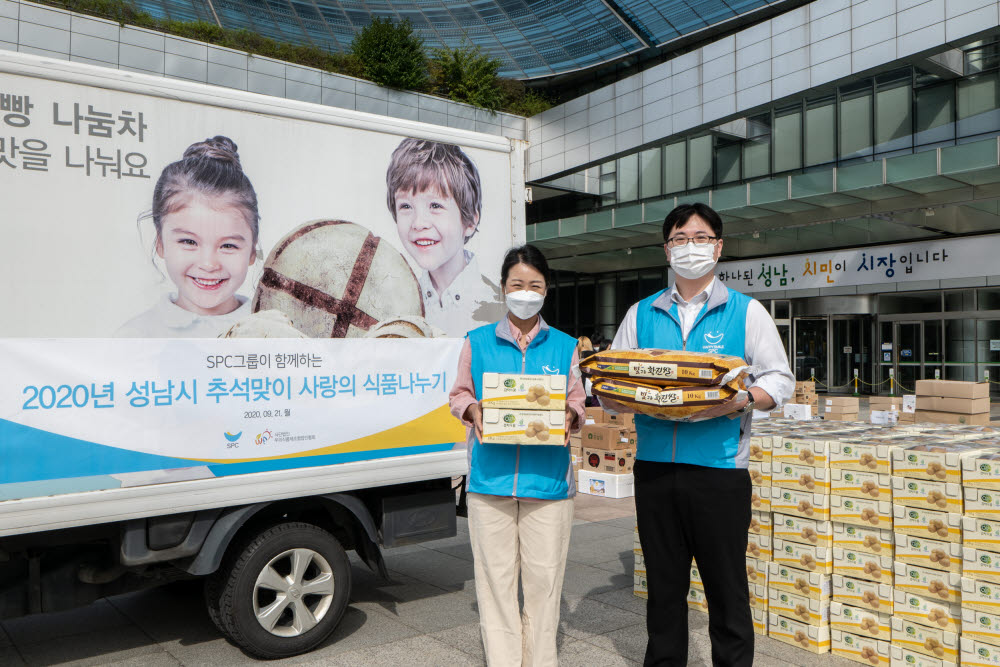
{"points": [[959, 341], [989, 299], [674, 168], [650, 173], [959, 300], [788, 139], [989, 340], [978, 105], [906, 303], [821, 132], [855, 122], [893, 118], [727, 160], [628, 177], [700, 162], [609, 181], [935, 114], [757, 147]]}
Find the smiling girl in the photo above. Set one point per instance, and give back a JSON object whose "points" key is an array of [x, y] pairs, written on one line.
{"points": [[206, 220]]}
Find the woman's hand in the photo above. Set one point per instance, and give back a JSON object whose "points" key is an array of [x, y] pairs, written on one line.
{"points": [[474, 414], [570, 421]]}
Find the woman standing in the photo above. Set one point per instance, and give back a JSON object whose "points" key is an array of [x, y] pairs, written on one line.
{"points": [[520, 496]]}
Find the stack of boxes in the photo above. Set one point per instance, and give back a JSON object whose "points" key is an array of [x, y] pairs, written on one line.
{"points": [[841, 408], [953, 402], [524, 409], [761, 535], [805, 394], [607, 454], [799, 576], [861, 512], [887, 410], [927, 510], [980, 641]]}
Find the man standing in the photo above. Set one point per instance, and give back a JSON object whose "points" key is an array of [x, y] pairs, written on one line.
{"points": [[692, 489]]}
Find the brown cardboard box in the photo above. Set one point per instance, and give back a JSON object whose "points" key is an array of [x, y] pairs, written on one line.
{"points": [[602, 436], [953, 389], [965, 406], [845, 403], [597, 414], [981, 419], [625, 420], [885, 402], [611, 461], [841, 416]]}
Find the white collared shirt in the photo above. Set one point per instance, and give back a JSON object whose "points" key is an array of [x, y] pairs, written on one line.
{"points": [[763, 347], [468, 302], [168, 320]]}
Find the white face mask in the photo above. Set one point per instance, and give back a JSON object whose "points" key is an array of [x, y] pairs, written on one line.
{"points": [[692, 261], [524, 304]]}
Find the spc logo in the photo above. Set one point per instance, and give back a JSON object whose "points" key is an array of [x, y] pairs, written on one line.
{"points": [[233, 437], [550, 371], [262, 438], [714, 337]]}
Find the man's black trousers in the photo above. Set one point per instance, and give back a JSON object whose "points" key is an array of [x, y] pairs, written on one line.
{"points": [[684, 512]]}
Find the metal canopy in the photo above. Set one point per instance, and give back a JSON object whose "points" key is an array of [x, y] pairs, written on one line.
{"points": [[947, 191]]}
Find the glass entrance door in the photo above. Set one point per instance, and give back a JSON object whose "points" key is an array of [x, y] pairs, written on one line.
{"points": [[811, 348], [851, 350], [909, 355]]}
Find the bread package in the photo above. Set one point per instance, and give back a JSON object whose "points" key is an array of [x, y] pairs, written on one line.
{"points": [[667, 368], [673, 404]]}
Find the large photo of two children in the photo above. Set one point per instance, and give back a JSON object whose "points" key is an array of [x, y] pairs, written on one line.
{"points": [[328, 278]]}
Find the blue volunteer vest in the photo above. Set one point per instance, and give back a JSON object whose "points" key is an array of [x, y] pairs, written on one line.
{"points": [[719, 328], [535, 471]]}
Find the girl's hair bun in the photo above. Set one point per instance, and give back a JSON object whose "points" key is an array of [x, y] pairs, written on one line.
{"points": [[217, 148]]}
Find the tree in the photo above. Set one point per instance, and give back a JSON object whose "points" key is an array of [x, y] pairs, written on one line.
{"points": [[467, 75], [391, 55]]}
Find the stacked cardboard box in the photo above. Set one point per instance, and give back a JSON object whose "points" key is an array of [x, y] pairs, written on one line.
{"points": [[952, 402], [927, 511], [607, 454], [841, 408], [805, 393], [799, 578], [980, 641], [861, 514]]}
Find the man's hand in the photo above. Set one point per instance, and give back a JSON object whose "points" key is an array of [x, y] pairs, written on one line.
{"points": [[474, 414], [762, 401]]}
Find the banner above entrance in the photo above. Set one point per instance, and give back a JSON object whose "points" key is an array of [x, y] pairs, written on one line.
{"points": [[895, 263]]}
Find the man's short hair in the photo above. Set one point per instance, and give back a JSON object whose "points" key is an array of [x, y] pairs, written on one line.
{"points": [[680, 216], [418, 165]]}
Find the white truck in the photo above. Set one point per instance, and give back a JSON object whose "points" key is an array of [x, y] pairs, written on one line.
{"points": [[136, 446]]}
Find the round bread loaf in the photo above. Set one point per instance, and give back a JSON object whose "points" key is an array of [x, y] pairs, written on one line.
{"points": [[404, 327], [265, 324], [335, 279]]}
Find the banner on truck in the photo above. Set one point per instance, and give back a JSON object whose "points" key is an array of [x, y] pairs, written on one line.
{"points": [[91, 414], [141, 207]]}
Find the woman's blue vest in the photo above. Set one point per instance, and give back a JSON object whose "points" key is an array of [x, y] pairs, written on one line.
{"points": [[523, 471], [721, 328]]}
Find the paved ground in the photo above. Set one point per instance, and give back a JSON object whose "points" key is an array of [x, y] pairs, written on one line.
{"points": [[425, 616]]}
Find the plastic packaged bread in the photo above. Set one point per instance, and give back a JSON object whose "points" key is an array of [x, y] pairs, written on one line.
{"points": [[667, 368], [672, 404]]}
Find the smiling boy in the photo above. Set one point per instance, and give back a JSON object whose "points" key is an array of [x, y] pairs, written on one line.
{"points": [[436, 198]]}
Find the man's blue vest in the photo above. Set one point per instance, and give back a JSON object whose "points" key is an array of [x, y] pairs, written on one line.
{"points": [[721, 328], [522, 471]]}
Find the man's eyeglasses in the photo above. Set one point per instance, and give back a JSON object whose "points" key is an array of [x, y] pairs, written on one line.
{"points": [[699, 239]]}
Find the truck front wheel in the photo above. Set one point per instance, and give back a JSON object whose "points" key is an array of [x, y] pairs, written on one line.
{"points": [[281, 592]]}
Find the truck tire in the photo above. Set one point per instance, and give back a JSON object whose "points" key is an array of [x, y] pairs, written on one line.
{"points": [[281, 592]]}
